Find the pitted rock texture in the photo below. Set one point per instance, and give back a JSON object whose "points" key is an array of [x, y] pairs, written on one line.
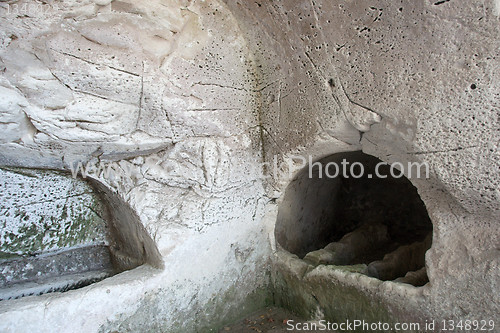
{"points": [[44, 211], [430, 73], [165, 95], [185, 98], [429, 70]]}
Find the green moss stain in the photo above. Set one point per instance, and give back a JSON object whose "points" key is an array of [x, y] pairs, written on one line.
{"points": [[47, 210]]}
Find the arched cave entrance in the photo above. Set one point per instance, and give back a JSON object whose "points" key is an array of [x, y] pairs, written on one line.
{"points": [[377, 226]]}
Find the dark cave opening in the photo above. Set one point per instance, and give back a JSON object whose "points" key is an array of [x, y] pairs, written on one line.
{"points": [[376, 223]]}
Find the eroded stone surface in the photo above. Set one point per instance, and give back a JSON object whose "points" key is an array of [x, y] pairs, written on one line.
{"points": [[355, 245], [179, 96], [430, 71], [166, 95], [310, 291], [43, 211], [406, 258], [61, 270], [416, 278]]}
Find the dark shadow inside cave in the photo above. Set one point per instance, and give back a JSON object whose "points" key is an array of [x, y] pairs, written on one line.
{"points": [[375, 223]]}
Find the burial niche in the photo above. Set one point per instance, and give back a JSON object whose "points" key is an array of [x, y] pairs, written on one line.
{"points": [[375, 223], [59, 233]]}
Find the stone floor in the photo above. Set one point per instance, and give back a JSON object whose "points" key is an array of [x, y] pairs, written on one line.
{"points": [[268, 320]]}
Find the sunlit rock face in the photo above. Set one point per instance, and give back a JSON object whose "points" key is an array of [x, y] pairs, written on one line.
{"points": [[170, 108], [157, 103]]}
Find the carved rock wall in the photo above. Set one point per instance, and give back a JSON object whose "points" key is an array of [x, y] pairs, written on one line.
{"points": [[158, 103], [183, 99], [404, 81]]}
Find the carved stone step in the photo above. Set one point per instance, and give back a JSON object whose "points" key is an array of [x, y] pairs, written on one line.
{"points": [[57, 271]]}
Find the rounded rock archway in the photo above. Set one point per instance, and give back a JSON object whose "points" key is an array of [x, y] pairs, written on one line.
{"points": [[352, 209]]}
